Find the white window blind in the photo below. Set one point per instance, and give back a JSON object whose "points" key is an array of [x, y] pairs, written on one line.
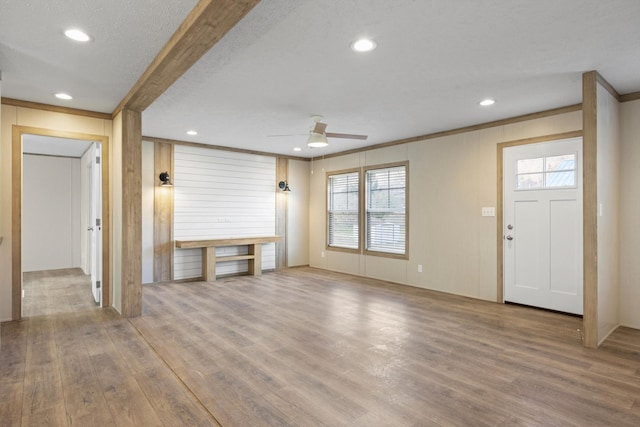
{"points": [[220, 194], [386, 209], [343, 231]]}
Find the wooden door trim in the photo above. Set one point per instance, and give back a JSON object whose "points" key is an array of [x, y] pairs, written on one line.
{"points": [[16, 210], [500, 204], [590, 203]]}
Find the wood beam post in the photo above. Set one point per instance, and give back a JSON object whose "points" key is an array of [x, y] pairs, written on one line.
{"points": [[282, 174], [163, 215], [590, 204], [131, 260]]}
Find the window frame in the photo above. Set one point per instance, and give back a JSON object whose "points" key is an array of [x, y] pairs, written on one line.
{"points": [[362, 211], [327, 178], [364, 244]]}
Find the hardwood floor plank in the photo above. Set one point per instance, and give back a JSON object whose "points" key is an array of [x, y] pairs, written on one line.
{"points": [[84, 401], [42, 384], [174, 407], [50, 416], [11, 403], [305, 347]]}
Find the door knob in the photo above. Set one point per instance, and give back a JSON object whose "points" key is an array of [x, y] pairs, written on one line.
{"points": [[509, 237], [89, 228]]}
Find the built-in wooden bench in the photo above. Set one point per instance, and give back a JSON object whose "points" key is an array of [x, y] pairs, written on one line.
{"points": [[209, 258]]}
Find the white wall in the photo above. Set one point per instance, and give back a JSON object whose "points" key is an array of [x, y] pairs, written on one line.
{"points": [[50, 213], [298, 213], [608, 183], [450, 179], [220, 194], [148, 187], [85, 208], [630, 214]]}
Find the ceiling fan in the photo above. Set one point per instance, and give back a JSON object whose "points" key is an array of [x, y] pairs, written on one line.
{"points": [[318, 136]]}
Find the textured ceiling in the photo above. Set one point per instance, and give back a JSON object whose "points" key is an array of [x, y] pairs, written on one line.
{"points": [[289, 60], [37, 60]]}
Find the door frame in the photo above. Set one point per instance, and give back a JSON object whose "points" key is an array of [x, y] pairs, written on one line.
{"points": [[588, 290], [16, 210]]}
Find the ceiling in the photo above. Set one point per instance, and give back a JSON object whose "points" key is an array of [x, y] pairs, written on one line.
{"points": [[286, 61], [53, 146]]}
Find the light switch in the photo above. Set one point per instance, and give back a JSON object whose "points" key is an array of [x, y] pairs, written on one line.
{"points": [[491, 211]]}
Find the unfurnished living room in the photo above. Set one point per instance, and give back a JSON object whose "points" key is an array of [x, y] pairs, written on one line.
{"points": [[319, 213]]}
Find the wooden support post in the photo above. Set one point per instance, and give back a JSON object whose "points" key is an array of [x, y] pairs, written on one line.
{"points": [[209, 264], [255, 263]]}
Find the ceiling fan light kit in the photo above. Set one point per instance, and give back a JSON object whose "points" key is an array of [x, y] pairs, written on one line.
{"points": [[317, 140]]}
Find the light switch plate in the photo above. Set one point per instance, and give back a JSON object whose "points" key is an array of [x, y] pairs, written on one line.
{"points": [[491, 211]]}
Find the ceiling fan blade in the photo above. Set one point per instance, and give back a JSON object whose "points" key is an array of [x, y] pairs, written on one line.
{"points": [[345, 135], [287, 134], [319, 127]]}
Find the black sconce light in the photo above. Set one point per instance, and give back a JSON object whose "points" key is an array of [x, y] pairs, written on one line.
{"points": [[165, 180], [284, 186]]}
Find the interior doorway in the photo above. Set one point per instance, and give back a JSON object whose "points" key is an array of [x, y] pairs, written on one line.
{"points": [[43, 151], [62, 230]]}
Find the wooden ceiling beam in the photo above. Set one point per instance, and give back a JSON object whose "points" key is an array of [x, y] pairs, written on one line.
{"points": [[207, 23]]}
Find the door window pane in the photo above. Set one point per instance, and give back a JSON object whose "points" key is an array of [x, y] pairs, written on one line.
{"points": [[546, 172], [530, 165]]}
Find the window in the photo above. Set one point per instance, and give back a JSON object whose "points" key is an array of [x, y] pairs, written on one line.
{"points": [[386, 209], [546, 172], [343, 210]]}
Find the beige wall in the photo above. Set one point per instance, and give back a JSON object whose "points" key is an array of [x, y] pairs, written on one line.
{"points": [[116, 213], [630, 214], [20, 116], [298, 213], [608, 184], [451, 178]]}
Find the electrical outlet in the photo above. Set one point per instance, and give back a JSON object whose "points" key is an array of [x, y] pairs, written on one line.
{"points": [[419, 268], [322, 254]]}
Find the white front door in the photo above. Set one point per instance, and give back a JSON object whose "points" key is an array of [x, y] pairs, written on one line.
{"points": [[543, 225], [95, 223]]}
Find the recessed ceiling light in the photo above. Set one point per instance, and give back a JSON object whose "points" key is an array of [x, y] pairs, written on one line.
{"points": [[297, 149], [192, 132], [487, 102], [64, 96], [77, 35], [363, 45]]}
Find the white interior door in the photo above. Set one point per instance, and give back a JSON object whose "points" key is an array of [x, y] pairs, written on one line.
{"points": [[543, 225], [95, 223]]}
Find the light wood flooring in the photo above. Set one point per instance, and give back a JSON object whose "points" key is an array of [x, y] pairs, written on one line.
{"points": [[304, 347]]}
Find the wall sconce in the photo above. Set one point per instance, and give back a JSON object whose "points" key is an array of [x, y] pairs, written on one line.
{"points": [[284, 186], [165, 180]]}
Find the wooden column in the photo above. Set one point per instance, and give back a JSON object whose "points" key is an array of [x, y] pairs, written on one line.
{"points": [[131, 262], [282, 174], [255, 264], [209, 264], [590, 207], [163, 215]]}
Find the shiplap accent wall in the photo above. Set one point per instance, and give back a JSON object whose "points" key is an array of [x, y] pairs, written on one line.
{"points": [[222, 194]]}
